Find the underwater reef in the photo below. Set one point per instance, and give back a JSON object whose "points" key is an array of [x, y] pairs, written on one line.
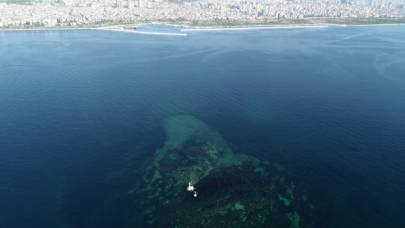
{"points": [[232, 189]]}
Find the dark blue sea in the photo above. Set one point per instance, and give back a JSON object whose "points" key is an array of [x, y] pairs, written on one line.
{"points": [[326, 104]]}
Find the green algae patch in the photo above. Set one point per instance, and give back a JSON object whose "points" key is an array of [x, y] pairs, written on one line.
{"points": [[286, 201], [238, 206], [150, 210], [172, 157], [295, 220], [261, 170], [290, 195], [157, 193], [134, 189], [290, 190], [156, 175]]}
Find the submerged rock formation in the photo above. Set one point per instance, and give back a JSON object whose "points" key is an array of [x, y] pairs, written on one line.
{"points": [[194, 149], [234, 189]]}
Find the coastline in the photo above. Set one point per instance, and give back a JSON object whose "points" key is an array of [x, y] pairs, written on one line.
{"points": [[141, 32], [44, 29], [190, 28], [379, 24], [253, 28]]}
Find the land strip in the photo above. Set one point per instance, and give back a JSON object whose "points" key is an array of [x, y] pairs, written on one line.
{"points": [[201, 13]]}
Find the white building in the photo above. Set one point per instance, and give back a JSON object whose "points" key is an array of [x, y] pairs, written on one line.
{"points": [[141, 3], [119, 3]]}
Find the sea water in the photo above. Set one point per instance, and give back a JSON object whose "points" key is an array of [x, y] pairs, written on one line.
{"points": [[325, 104]]}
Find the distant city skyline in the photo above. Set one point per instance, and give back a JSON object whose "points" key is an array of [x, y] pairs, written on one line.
{"points": [[76, 12], [50, 1]]}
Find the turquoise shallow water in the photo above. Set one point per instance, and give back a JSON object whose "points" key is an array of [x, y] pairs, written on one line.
{"points": [[326, 104]]}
